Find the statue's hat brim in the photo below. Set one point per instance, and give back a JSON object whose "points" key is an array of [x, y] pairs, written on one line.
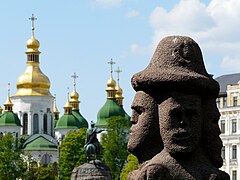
{"points": [[177, 65]]}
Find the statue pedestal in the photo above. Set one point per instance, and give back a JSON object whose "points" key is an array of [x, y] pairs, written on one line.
{"points": [[93, 170]]}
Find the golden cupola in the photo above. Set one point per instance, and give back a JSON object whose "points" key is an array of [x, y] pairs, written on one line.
{"points": [[8, 103], [111, 84], [119, 90], [74, 96], [33, 82], [55, 109]]}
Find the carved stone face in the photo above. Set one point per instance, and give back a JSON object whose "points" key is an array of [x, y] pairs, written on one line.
{"points": [[144, 135], [211, 141], [180, 122]]}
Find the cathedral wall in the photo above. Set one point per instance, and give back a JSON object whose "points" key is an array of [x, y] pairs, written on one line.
{"points": [[38, 110]]}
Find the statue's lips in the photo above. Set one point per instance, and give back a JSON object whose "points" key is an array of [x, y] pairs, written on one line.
{"points": [[181, 136]]}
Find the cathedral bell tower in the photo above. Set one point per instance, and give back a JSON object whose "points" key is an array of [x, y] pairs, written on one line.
{"points": [[33, 101]]}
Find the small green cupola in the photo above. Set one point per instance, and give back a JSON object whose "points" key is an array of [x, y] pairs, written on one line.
{"points": [[68, 120], [111, 107], [8, 118], [74, 102]]}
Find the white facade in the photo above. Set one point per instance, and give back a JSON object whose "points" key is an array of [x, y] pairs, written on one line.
{"points": [[229, 123], [15, 130], [44, 157], [35, 113]]}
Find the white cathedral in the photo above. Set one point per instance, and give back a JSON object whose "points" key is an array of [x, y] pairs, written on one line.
{"points": [[31, 113]]}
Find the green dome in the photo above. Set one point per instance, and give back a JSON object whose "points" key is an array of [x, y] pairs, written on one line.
{"points": [[81, 119], [9, 119], [109, 109], [40, 144], [68, 121], [55, 122]]}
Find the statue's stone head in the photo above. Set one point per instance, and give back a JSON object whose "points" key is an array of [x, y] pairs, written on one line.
{"points": [[177, 81], [144, 140]]}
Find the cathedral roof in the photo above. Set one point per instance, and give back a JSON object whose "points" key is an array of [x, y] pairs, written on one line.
{"points": [[81, 119], [68, 121], [40, 143], [109, 109], [9, 119]]}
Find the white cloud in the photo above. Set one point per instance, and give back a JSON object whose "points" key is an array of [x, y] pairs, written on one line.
{"points": [[231, 63], [133, 13], [215, 26], [108, 3], [189, 17]]}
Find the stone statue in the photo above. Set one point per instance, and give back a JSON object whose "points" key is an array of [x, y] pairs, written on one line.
{"points": [[92, 145], [175, 129]]}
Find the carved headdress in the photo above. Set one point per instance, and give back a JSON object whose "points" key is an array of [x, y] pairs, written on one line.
{"points": [[177, 64]]}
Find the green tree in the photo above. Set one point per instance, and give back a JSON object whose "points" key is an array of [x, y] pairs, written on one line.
{"points": [[12, 165], [40, 172], [45, 173], [132, 164], [114, 144], [72, 152]]}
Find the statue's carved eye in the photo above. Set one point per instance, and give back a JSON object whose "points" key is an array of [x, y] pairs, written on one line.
{"points": [[177, 113], [138, 109]]}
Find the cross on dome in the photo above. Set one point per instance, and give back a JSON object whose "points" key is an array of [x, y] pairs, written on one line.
{"points": [[8, 89], [111, 62], [118, 71], [32, 19], [74, 76]]}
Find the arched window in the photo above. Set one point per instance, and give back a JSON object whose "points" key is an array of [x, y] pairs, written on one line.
{"points": [[45, 124], [25, 123], [52, 125], [46, 159], [35, 124]]}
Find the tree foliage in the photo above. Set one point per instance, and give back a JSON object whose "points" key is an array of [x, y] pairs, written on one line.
{"points": [[132, 164], [12, 165], [114, 144], [40, 172], [72, 152]]}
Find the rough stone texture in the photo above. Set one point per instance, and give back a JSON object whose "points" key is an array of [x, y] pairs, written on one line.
{"points": [[175, 133], [93, 170]]}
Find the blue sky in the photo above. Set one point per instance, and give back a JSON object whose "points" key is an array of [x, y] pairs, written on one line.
{"points": [[82, 36]]}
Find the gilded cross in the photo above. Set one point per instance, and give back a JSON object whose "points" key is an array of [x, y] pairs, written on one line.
{"points": [[118, 71], [111, 62], [32, 19], [8, 89], [68, 93], [74, 76]]}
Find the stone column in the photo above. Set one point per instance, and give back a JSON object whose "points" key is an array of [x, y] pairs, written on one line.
{"points": [[41, 121], [30, 124]]}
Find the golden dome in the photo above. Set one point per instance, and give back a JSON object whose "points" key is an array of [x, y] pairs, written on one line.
{"points": [[32, 45], [111, 83], [67, 105], [74, 95], [119, 91], [55, 109], [33, 82], [8, 102]]}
